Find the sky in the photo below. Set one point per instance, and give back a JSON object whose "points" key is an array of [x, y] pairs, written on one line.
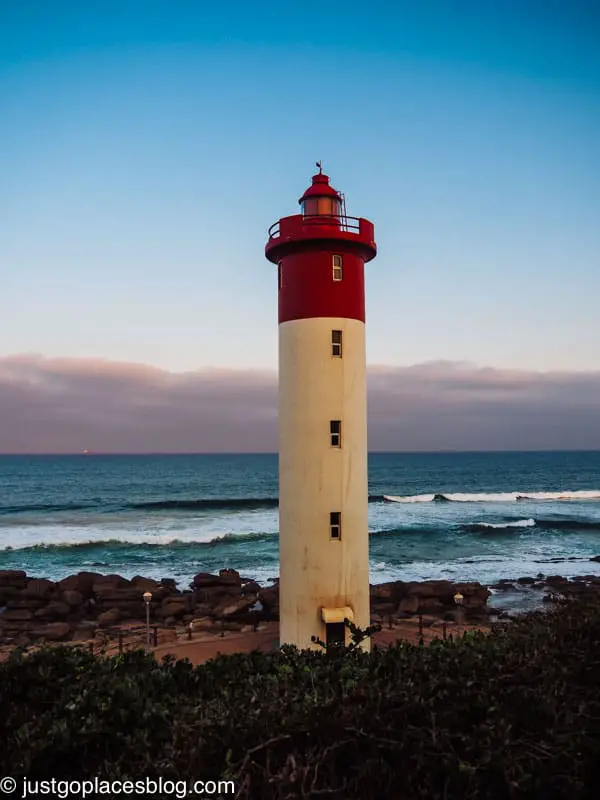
{"points": [[147, 145]]}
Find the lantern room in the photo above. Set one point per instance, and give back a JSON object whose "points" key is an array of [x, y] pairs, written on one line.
{"points": [[321, 199]]}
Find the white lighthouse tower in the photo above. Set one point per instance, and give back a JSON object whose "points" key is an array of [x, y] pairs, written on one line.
{"points": [[323, 492]]}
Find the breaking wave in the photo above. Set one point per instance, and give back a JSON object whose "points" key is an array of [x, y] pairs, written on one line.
{"points": [[518, 523], [493, 497], [208, 504]]}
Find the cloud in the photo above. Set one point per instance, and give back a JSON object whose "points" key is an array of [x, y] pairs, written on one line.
{"points": [[64, 405]]}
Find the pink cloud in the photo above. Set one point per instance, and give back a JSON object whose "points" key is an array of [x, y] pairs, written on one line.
{"points": [[63, 405]]}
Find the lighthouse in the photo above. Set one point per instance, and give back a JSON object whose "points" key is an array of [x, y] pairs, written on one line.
{"points": [[323, 493]]}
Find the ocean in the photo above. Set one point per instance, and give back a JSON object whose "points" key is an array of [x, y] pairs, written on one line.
{"points": [[461, 516]]}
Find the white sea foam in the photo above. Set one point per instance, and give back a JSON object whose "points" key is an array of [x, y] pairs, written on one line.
{"points": [[519, 523], [496, 497]]}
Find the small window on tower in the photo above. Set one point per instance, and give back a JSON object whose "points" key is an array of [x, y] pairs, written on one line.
{"points": [[338, 268], [336, 344], [335, 525], [335, 432], [280, 274]]}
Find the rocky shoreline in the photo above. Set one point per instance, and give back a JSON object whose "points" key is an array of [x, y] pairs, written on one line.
{"points": [[91, 607]]}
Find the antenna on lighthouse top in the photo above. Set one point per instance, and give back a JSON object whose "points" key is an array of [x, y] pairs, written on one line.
{"points": [[320, 166]]}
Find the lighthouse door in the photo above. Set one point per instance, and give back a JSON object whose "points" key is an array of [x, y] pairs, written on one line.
{"points": [[335, 633]]}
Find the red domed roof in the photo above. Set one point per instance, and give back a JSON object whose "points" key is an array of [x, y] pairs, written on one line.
{"points": [[320, 188]]}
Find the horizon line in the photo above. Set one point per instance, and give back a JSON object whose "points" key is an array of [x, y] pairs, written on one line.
{"points": [[89, 454]]}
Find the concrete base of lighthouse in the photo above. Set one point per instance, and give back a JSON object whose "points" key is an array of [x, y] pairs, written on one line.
{"points": [[320, 574]]}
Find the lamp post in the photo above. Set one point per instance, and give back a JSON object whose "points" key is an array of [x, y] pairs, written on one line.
{"points": [[147, 600], [458, 599]]}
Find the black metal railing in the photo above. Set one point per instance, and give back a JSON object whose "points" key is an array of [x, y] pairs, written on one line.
{"points": [[350, 224]]}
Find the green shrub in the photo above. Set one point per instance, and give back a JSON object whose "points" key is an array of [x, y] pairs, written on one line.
{"points": [[511, 714]]}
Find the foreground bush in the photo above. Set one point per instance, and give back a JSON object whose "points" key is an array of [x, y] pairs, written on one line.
{"points": [[512, 714]]}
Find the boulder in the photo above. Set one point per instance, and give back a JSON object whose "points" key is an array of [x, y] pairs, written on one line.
{"points": [[15, 615], [203, 624], [269, 598], [108, 618], [173, 607], [73, 598], [39, 588], [203, 579], [54, 631], [106, 593], [82, 582], [19, 601], [443, 590], [13, 577], [230, 576], [525, 581], [103, 582], [250, 587], [239, 606], [7, 593], [84, 631], [409, 605], [55, 609], [145, 584], [386, 592], [595, 558]]}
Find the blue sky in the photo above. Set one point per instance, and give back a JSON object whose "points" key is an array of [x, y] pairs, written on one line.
{"points": [[146, 147]]}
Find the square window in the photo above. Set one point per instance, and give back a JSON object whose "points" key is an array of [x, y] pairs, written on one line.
{"points": [[336, 344], [335, 525], [338, 268], [335, 432]]}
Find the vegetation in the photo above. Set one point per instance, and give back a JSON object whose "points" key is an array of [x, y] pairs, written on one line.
{"points": [[512, 714]]}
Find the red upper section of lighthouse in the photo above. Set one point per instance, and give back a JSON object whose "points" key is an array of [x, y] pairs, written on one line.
{"points": [[320, 222], [307, 246]]}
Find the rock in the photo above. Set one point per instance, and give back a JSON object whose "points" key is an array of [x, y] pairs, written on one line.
{"points": [[7, 593], [82, 582], [84, 631], [54, 610], [526, 581], [444, 590], [54, 631], [409, 605], [108, 618], [174, 607], [474, 593], [269, 597], [13, 577], [145, 584], [12, 626], [170, 621], [108, 593], [73, 598], [202, 624], [203, 579], [15, 615], [169, 583], [250, 587], [242, 604], [104, 582], [25, 602], [39, 588], [432, 604], [230, 576], [392, 590], [595, 558]]}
